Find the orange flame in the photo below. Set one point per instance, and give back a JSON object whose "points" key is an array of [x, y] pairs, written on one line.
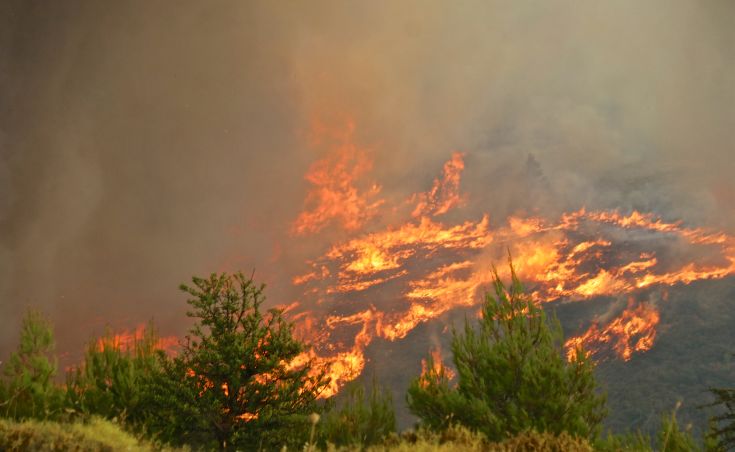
{"points": [[633, 331], [126, 340], [444, 194], [334, 195]]}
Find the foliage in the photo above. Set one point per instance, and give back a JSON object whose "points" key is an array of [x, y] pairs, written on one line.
{"points": [[233, 383], [458, 438], [723, 428], [361, 417], [28, 389], [110, 380], [671, 438], [512, 376], [93, 436], [632, 442]]}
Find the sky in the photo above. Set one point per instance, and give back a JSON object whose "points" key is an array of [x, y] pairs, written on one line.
{"points": [[145, 142]]}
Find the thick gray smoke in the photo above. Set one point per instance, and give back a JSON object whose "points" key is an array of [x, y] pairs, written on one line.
{"points": [[143, 142]]}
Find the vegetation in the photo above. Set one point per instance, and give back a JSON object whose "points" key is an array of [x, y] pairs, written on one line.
{"points": [[92, 436], [232, 383], [110, 381], [360, 418], [512, 375], [241, 382], [723, 428], [28, 389]]}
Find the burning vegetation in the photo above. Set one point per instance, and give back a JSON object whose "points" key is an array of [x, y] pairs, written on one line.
{"points": [[386, 278]]}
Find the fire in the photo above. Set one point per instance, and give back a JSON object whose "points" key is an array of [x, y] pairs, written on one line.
{"points": [[334, 194], [444, 194], [437, 367], [433, 267], [126, 340], [634, 330]]}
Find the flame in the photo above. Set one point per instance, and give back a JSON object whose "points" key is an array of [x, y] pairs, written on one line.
{"points": [[437, 367], [126, 340], [634, 330], [433, 267], [444, 194], [334, 195]]}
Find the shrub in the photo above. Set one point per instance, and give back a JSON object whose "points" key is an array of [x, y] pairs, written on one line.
{"points": [[93, 436], [360, 417]]}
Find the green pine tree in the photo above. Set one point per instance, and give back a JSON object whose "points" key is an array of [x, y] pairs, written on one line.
{"points": [[232, 385], [29, 390], [512, 375]]}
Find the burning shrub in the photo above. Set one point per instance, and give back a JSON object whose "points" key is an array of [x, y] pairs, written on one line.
{"points": [[512, 375], [235, 381]]}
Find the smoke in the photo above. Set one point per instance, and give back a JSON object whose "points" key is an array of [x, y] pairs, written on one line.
{"points": [[141, 143]]}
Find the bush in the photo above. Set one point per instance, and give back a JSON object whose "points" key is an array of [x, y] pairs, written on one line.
{"points": [[458, 438], [93, 436], [512, 375], [110, 380], [360, 417]]}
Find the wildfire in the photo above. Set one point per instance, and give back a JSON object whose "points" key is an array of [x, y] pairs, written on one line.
{"points": [[431, 267], [633, 331], [334, 195], [127, 339]]}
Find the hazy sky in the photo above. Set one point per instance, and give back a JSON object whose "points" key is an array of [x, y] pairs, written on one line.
{"points": [[144, 142]]}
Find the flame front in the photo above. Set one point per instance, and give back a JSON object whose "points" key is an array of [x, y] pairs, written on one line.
{"points": [[431, 266]]}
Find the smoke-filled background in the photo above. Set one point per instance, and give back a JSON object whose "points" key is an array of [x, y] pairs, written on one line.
{"points": [[145, 142]]}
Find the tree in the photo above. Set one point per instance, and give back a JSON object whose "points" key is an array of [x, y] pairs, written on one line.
{"points": [[512, 375], [29, 390], [723, 424], [109, 383], [360, 418], [235, 382]]}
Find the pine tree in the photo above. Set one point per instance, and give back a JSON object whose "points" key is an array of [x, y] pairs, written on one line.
{"points": [[234, 384], [29, 390], [512, 375]]}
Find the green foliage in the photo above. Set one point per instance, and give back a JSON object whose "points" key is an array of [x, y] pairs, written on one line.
{"points": [[723, 424], [110, 381], [231, 385], [671, 438], [512, 375], [458, 438], [629, 442], [28, 389], [93, 436], [361, 417]]}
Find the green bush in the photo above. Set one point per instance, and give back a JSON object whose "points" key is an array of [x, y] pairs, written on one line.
{"points": [[458, 438], [512, 375], [109, 382], [360, 417], [97, 435]]}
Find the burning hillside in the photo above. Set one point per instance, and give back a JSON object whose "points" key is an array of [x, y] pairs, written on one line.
{"points": [[387, 277]]}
